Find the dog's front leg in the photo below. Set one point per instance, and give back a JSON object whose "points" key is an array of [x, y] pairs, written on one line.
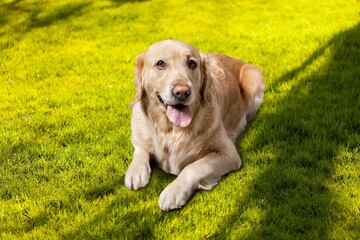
{"points": [[138, 173], [202, 174]]}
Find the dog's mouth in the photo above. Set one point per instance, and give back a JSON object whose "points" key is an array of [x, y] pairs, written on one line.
{"points": [[179, 114]]}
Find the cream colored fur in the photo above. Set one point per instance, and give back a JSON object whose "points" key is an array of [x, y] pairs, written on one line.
{"points": [[225, 94]]}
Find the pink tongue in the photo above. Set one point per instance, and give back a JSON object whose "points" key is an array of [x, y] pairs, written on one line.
{"points": [[180, 117]]}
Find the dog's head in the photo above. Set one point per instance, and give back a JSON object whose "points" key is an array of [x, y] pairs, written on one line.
{"points": [[172, 74]]}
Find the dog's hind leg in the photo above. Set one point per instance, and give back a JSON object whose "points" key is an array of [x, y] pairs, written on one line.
{"points": [[252, 87]]}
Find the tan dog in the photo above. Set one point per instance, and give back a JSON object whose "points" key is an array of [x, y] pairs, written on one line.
{"points": [[188, 110]]}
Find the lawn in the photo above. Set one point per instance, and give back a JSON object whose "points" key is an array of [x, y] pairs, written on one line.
{"points": [[66, 72]]}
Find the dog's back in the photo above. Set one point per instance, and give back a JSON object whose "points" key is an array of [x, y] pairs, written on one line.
{"points": [[239, 88]]}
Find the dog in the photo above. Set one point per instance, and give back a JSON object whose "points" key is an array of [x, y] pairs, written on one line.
{"points": [[188, 110]]}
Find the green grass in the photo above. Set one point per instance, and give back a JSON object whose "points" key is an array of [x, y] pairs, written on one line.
{"points": [[66, 72]]}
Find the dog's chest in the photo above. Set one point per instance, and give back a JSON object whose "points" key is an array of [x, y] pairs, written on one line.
{"points": [[173, 151]]}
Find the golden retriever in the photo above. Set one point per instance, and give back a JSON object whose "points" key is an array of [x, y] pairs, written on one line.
{"points": [[188, 111]]}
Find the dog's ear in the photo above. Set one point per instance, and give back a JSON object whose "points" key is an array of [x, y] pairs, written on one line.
{"points": [[205, 78], [138, 77]]}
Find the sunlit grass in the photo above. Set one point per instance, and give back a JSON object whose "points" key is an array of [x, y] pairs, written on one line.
{"points": [[66, 72]]}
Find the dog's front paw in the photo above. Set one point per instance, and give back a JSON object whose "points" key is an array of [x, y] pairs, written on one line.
{"points": [[174, 196], [137, 177]]}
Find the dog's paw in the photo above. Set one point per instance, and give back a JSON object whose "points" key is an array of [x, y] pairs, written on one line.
{"points": [[174, 196], [137, 177]]}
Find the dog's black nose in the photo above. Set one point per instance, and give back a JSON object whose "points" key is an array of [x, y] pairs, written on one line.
{"points": [[181, 92]]}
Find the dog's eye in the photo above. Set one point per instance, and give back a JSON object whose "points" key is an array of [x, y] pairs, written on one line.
{"points": [[160, 64], [191, 64]]}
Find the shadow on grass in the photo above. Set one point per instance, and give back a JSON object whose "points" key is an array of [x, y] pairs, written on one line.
{"points": [[126, 217], [118, 2], [60, 14], [25, 16], [38, 15], [318, 117], [18, 17]]}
